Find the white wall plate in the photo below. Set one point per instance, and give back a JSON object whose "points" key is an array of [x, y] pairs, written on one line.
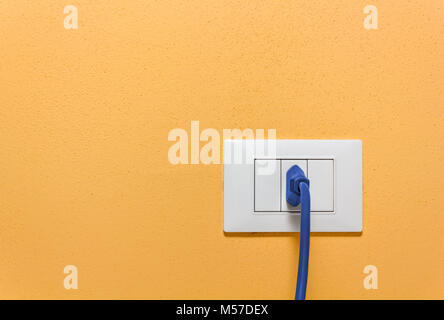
{"points": [[254, 185]]}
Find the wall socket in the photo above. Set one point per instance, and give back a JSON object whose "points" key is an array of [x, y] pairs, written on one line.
{"points": [[254, 185]]}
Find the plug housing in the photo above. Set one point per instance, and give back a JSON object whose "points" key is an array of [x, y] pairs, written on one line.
{"points": [[295, 175]]}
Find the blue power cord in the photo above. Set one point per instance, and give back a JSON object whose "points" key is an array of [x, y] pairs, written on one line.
{"points": [[298, 192]]}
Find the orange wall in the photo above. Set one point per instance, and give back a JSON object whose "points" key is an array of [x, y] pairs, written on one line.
{"points": [[85, 114]]}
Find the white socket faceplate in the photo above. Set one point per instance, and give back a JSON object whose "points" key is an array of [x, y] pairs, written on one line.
{"points": [[254, 185]]}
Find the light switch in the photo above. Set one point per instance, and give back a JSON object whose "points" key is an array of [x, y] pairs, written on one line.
{"points": [[287, 164], [267, 179], [321, 176]]}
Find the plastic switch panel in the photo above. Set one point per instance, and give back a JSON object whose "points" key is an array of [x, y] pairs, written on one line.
{"points": [[254, 187], [267, 185], [321, 176]]}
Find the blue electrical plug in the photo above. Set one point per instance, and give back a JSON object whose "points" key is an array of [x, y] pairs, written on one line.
{"points": [[295, 176]]}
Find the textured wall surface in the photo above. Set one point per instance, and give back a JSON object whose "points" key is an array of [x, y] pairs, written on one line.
{"points": [[84, 119]]}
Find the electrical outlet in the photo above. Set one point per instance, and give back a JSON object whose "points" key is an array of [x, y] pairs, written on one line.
{"points": [[254, 188]]}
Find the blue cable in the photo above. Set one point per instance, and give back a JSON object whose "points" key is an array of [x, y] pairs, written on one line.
{"points": [[298, 192], [304, 247]]}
